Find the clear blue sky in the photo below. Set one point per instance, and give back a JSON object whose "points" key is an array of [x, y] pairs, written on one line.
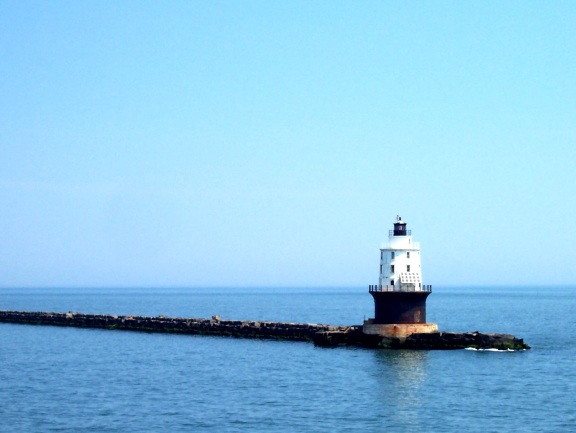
{"points": [[272, 143]]}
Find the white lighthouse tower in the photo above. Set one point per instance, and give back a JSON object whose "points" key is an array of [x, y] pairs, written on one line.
{"points": [[400, 267]]}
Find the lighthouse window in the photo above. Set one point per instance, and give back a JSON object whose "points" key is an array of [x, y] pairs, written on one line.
{"points": [[407, 254], [408, 268], [392, 268], [392, 253]]}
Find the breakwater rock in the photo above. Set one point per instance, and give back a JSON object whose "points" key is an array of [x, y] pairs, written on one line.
{"points": [[321, 335], [427, 341], [176, 325]]}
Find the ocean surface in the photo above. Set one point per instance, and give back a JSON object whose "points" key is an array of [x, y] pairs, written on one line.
{"points": [[87, 380]]}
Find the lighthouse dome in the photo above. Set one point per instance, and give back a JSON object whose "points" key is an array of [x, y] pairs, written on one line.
{"points": [[399, 227]]}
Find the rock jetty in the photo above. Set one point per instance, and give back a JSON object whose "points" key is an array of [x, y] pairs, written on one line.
{"points": [[320, 335]]}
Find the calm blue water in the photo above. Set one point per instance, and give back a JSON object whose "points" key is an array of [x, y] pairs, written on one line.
{"points": [[82, 380]]}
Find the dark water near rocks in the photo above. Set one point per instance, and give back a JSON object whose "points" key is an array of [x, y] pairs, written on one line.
{"points": [[82, 380]]}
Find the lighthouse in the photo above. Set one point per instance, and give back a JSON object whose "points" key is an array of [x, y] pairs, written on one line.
{"points": [[400, 295]]}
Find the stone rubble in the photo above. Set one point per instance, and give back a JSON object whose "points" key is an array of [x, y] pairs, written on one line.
{"points": [[321, 335]]}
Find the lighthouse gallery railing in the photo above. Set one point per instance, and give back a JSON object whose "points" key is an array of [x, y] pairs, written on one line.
{"points": [[377, 288]]}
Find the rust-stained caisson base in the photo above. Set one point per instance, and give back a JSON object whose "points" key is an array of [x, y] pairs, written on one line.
{"points": [[397, 330]]}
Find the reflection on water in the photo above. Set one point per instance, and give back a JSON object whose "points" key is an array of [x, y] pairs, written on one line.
{"points": [[400, 376], [407, 364]]}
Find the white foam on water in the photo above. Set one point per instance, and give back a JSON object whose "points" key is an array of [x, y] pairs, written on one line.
{"points": [[490, 350]]}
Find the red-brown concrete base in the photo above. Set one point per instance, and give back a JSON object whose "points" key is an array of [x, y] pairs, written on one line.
{"points": [[400, 330]]}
